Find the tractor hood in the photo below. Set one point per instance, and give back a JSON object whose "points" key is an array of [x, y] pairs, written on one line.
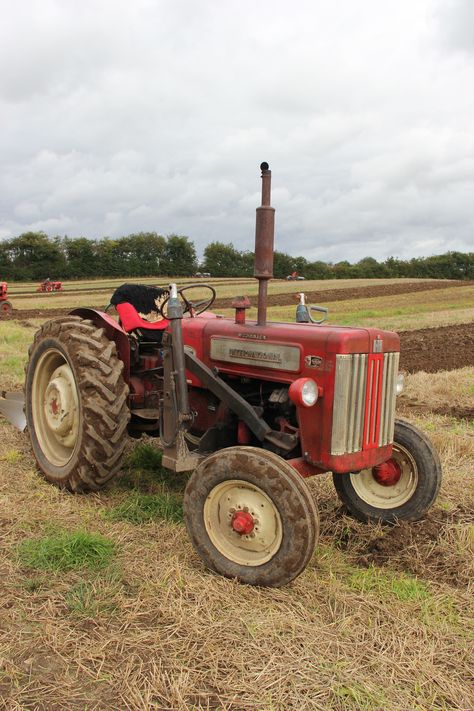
{"points": [[279, 351]]}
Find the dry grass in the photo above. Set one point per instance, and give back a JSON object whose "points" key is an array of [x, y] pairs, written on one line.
{"points": [[440, 392], [379, 620]]}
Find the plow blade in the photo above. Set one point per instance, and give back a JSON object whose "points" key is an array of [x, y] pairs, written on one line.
{"points": [[12, 407]]}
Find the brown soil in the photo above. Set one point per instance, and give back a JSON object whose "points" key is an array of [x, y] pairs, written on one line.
{"points": [[412, 547], [435, 349], [360, 292]]}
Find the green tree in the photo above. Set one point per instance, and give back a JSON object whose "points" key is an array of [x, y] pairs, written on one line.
{"points": [[33, 255], [369, 268], [282, 265], [318, 270], [179, 257], [147, 253], [223, 260], [81, 257]]}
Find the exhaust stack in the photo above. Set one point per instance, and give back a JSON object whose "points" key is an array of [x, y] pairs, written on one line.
{"points": [[264, 237]]}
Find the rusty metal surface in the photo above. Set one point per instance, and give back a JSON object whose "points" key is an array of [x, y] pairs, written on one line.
{"points": [[264, 238]]}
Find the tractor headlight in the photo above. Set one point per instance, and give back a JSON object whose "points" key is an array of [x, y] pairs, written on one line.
{"points": [[304, 391], [400, 384]]}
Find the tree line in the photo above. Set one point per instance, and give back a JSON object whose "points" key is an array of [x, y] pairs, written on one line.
{"points": [[34, 255]]}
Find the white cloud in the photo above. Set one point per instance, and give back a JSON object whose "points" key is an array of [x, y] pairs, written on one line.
{"points": [[154, 115]]}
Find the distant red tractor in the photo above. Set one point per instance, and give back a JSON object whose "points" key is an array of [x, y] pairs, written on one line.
{"points": [[5, 305], [47, 285]]}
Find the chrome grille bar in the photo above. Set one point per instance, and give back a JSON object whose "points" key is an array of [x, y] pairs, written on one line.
{"points": [[351, 397]]}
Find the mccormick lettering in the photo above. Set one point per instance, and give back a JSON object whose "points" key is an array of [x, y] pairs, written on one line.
{"points": [[256, 336]]}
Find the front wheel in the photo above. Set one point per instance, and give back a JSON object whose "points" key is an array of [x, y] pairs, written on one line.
{"points": [[403, 488], [251, 516]]}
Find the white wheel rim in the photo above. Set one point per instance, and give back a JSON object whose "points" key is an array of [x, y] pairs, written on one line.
{"points": [[220, 508], [379, 496], [55, 407]]}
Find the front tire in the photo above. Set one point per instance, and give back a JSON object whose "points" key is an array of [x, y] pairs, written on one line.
{"points": [[76, 404], [251, 516], [404, 488]]}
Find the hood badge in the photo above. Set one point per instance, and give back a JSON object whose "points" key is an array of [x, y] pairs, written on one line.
{"points": [[378, 345]]}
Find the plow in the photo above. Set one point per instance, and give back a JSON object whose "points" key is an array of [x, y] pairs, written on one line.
{"points": [[251, 408]]}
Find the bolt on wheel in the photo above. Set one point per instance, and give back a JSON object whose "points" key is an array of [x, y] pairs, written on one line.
{"points": [[242, 522], [251, 516]]}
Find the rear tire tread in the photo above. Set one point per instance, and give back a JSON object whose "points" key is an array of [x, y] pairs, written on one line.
{"points": [[103, 396]]}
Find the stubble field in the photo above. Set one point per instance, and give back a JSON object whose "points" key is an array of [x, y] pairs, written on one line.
{"points": [[128, 618]]}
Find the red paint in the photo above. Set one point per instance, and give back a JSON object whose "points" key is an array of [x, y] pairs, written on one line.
{"points": [[243, 433], [373, 401], [54, 406], [242, 522], [131, 320], [296, 392], [388, 473], [305, 469], [240, 303]]}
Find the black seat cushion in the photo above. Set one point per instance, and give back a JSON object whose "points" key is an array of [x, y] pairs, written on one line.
{"points": [[144, 299]]}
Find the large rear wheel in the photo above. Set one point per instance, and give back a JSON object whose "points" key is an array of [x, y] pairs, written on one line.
{"points": [[403, 488], [76, 404], [251, 516]]}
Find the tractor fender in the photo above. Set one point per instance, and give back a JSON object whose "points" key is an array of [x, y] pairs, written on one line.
{"points": [[113, 331]]}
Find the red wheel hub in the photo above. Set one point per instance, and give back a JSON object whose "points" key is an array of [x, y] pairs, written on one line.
{"points": [[388, 473], [242, 522]]}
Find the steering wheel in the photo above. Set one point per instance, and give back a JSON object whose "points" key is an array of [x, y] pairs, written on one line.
{"points": [[194, 308]]}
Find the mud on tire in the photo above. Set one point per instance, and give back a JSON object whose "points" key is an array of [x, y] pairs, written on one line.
{"points": [[76, 404]]}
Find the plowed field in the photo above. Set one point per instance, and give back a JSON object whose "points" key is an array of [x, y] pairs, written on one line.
{"points": [[429, 349]]}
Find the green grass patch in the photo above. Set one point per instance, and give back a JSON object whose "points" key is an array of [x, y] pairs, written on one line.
{"points": [[142, 508], [144, 457], [375, 580], [67, 551], [143, 472], [14, 342]]}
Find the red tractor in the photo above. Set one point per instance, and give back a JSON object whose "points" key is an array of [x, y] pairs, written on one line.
{"points": [[5, 305], [252, 408], [47, 285]]}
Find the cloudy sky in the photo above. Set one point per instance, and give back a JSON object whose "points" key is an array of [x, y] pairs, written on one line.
{"points": [[118, 116]]}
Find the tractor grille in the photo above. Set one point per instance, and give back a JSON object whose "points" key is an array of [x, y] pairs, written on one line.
{"points": [[364, 401]]}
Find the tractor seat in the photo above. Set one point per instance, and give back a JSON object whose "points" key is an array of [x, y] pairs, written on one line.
{"points": [[130, 299]]}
